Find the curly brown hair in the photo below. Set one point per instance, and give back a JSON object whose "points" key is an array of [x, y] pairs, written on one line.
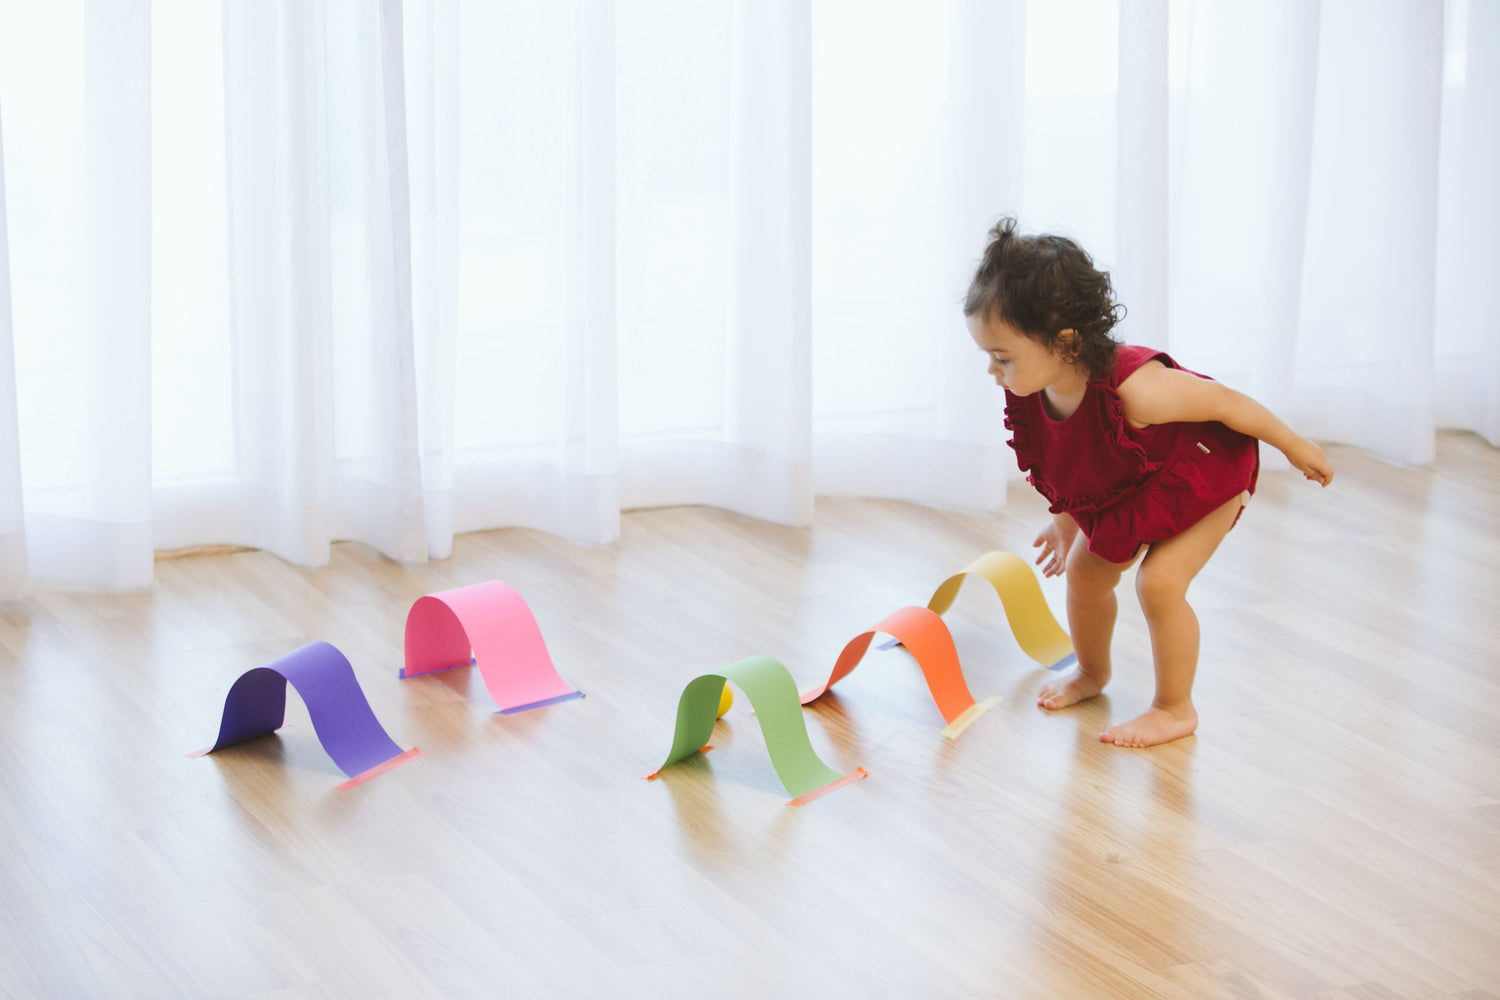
{"points": [[1043, 285]]}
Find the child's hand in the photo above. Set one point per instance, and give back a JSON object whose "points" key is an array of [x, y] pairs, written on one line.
{"points": [[1309, 460], [1055, 540]]}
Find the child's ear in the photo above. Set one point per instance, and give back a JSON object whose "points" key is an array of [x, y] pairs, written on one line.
{"points": [[1067, 344]]}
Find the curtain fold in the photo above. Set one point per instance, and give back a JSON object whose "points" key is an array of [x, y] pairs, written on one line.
{"points": [[431, 61], [715, 162], [589, 210], [1280, 139], [530, 263], [1468, 312], [1368, 299], [14, 577], [280, 273], [984, 139], [918, 114], [765, 465], [1142, 205]]}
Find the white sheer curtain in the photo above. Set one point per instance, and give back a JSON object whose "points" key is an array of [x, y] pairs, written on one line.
{"points": [[1305, 224], [285, 377], [75, 97], [278, 273], [1289, 195]]}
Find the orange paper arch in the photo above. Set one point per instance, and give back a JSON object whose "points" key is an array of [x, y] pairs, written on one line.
{"points": [[927, 638], [491, 623]]}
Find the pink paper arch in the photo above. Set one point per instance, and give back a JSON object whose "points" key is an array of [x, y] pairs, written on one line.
{"points": [[492, 623]]}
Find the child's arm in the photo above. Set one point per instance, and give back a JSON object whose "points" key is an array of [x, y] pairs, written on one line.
{"points": [[1156, 394]]}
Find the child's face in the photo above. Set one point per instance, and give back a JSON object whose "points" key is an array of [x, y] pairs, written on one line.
{"points": [[1019, 363]]}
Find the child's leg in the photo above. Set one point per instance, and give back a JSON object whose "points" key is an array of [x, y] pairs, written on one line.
{"points": [[1091, 624], [1162, 585]]}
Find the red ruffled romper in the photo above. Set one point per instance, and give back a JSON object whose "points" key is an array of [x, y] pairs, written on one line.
{"points": [[1127, 486]]}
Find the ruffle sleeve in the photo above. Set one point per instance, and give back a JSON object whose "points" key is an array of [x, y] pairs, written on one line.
{"points": [[1020, 437], [1133, 465]]}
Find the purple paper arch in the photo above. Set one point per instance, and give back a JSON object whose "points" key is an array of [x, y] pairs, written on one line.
{"points": [[341, 715]]}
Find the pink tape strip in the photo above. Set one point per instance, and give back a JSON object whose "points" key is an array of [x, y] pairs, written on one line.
{"points": [[379, 769], [832, 786]]}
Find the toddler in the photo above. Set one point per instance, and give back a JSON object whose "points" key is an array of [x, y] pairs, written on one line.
{"points": [[1133, 452]]}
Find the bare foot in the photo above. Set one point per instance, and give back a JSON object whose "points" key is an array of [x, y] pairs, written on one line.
{"points": [[1070, 690], [1155, 725]]}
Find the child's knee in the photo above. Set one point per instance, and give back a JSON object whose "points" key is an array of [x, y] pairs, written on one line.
{"points": [[1089, 574], [1159, 589]]}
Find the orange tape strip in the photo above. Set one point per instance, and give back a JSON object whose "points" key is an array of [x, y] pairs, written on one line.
{"points": [[832, 786], [653, 774]]}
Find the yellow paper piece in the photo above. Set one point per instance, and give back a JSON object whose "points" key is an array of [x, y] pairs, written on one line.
{"points": [[1031, 621], [956, 729]]}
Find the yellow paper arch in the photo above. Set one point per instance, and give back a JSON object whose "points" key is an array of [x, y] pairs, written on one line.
{"points": [[1031, 622]]}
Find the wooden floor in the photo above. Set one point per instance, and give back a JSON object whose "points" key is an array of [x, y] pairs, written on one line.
{"points": [[1333, 831]]}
